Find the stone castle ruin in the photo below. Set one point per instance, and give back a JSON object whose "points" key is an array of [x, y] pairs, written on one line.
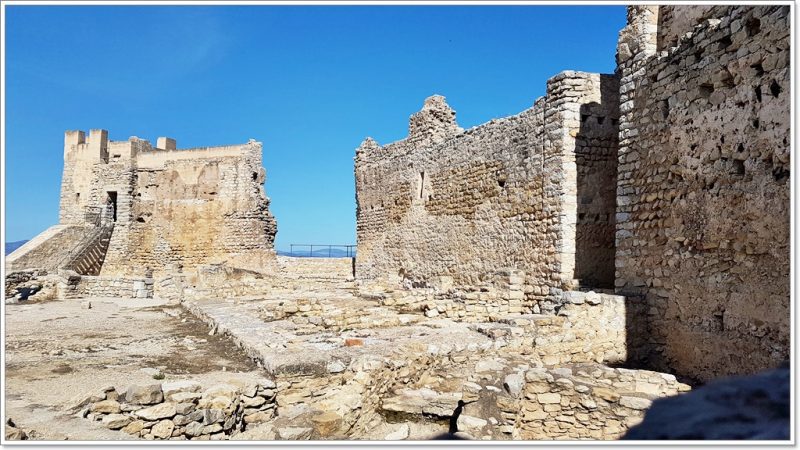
{"points": [[167, 210], [667, 182], [638, 220], [532, 192]]}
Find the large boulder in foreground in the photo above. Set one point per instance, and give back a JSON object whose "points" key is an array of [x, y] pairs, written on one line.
{"points": [[747, 407]]}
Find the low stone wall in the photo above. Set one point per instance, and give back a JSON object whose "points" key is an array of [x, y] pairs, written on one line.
{"points": [[320, 268], [589, 326], [594, 330], [504, 293], [588, 402], [179, 410], [98, 286]]}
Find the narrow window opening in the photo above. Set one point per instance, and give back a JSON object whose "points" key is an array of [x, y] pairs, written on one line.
{"points": [[775, 88], [706, 89], [738, 167], [753, 26], [780, 174], [112, 204], [421, 185], [757, 91]]}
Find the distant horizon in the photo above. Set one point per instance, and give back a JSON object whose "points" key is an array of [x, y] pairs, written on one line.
{"points": [[310, 82]]}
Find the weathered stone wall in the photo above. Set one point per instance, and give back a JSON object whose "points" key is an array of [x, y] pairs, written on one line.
{"points": [[675, 22], [106, 287], [703, 191], [49, 249], [334, 269], [188, 207], [588, 401], [504, 195]]}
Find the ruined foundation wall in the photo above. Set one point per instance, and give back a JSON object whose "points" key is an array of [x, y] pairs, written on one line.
{"points": [[103, 287], [703, 191], [445, 204]]}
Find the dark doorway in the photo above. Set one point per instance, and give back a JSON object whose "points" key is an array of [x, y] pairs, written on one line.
{"points": [[112, 199]]}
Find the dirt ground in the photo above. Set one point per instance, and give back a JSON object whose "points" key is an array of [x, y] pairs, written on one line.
{"points": [[59, 351]]}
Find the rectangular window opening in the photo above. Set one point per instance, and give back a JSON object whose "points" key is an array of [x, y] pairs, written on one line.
{"points": [[112, 202]]}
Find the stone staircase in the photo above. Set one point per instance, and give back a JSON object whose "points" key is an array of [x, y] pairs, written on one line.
{"points": [[88, 256]]}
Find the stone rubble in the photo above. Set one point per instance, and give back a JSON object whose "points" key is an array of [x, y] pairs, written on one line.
{"points": [[181, 409]]}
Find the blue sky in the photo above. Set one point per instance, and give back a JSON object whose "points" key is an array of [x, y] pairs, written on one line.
{"points": [[309, 82]]}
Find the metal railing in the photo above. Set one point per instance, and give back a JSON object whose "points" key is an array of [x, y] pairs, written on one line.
{"points": [[93, 216], [71, 257], [349, 250]]}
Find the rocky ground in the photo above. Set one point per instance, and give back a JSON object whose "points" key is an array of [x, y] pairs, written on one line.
{"points": [[60, 351]]}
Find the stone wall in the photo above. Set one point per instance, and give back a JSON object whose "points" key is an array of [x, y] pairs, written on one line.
{"points": [[703, 192], [334, 269], [49, 249], [675, 22], [588, 401], [189, 207], [182, 410], [504, 195], [204, 210], [106, 287]]}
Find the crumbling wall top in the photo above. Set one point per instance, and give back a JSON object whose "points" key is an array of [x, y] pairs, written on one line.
{"points": [[435, 122]]}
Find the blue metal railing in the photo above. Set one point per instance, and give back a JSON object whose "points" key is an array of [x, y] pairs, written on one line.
{"points": [[348, 250]]}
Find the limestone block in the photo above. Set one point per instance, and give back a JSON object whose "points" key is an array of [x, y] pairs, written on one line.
{"points": [[159, 411], [144, 395]]}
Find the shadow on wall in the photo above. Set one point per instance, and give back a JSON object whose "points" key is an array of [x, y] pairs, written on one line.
{"points": [[596, 169]]}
